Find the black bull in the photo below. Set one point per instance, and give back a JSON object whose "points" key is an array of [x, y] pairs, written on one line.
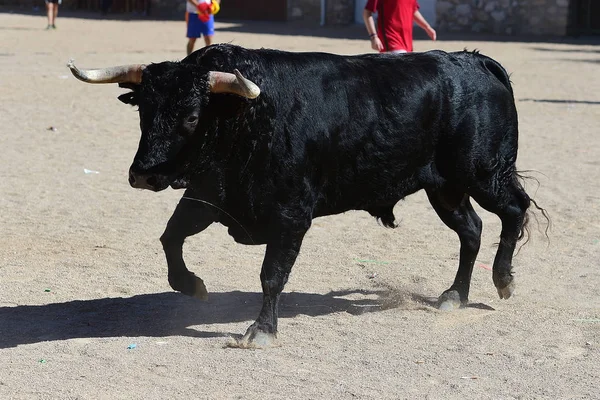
{"points": [[312, 134]]}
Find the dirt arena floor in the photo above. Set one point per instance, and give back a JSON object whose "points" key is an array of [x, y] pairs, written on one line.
{"points": [[86, 311]]}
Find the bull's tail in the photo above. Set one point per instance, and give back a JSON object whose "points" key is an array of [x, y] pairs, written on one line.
{"points": [[498, 71], [520, 179], [493, 67]]}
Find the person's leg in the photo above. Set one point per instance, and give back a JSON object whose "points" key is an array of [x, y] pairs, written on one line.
{"points": [[208, 40], [190, 45], [50, 14], [55, 15]]}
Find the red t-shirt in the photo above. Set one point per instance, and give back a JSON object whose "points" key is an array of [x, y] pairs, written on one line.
{"points": [[394, 22]]}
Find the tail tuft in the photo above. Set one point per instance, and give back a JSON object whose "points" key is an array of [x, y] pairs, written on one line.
{"points": [[525, 232]]}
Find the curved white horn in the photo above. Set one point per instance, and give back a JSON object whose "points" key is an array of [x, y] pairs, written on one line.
{"points": [[224, 82], [120, 74]]}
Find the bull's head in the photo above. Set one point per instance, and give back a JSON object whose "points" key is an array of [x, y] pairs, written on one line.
{"points": [[171, 98]]}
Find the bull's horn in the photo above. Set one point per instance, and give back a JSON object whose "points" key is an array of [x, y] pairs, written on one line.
{"points": [[224, 82], [123, 73]]}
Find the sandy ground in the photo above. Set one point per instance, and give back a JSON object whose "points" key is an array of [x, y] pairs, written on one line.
{"points": [[83, 276]]}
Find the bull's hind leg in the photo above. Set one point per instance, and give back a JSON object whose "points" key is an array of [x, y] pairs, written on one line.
{"points": [[455, 210], [189, 218], [510, 203]]}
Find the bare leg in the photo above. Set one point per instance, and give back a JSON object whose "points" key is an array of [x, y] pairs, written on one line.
{"points": [[190, 45], [456, 211], [50, 14], [208, 40], [55, 15], [189, 218]]}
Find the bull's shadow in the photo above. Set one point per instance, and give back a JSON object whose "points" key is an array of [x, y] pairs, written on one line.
{"points": [[160, 315], [557, 101]]}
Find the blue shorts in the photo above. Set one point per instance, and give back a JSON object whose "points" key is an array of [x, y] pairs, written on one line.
{"points": [[197, 28]]}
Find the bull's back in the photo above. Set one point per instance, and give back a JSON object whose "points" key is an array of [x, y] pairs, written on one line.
{"points": [[364, 124], [359, 128]]}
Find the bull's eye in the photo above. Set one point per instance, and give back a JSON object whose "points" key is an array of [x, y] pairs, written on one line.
{"points": [[189, 124]]}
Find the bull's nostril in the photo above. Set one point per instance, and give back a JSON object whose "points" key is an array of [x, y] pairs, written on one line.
{"points": [[131, 179], [151, 181]]}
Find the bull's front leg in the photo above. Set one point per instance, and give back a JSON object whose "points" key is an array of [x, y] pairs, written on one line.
{"points": [[190, 217], [279, 258]]}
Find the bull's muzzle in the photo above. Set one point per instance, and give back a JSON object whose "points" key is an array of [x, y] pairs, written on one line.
{"points": [[146, 181]]}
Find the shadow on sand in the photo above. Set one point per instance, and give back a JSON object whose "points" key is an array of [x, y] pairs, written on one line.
{"points": [[555, 50], [173, 314], [558, 101], [169, 313]]}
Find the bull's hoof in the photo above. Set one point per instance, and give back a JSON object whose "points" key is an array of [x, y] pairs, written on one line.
{"points": [[507, 291], [200, 292], [254, 339], [189, 284], [449, 301], [505, 284]]}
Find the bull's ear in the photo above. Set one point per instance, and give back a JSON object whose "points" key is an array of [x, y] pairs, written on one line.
{"points": [[129, 98], [132, 97]]}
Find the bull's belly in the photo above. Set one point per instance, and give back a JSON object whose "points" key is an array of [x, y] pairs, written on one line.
{"points": [[378, 200], [365, 197]]}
